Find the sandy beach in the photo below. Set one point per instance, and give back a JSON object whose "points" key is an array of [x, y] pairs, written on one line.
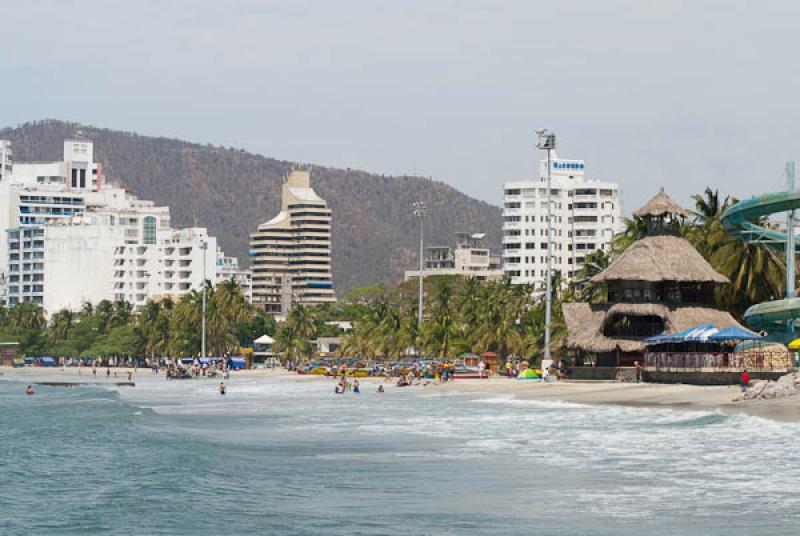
{"points": [[667, 396]]}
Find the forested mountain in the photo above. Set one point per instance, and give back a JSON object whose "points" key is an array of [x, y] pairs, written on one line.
{"points": [[231, 191]]}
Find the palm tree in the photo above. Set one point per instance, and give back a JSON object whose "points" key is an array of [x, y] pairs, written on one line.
{"points": [[593, 264], [757, 273], [61, 323], [635, 229]]}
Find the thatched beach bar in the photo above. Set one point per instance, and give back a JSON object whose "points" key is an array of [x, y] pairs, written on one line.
{"points": [[660, 285]]}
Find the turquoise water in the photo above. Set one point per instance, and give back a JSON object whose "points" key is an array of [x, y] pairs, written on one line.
{"points": [[280, 458]]}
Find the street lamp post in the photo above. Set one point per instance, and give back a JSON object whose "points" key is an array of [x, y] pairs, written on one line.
{"points": [[546, 141], [204, 248], [419, 212]]}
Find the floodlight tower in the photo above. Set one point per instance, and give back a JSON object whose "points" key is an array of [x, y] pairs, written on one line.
{"points": [[419, 212], [546, 141]]}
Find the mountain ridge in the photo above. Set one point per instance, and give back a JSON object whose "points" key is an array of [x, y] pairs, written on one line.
{"points": [[230, 191]]}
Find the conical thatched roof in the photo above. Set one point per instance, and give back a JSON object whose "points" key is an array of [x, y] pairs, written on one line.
{"points": [[661, 258], [660, 205]]}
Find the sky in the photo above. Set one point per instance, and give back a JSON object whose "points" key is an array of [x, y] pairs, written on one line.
{"points": [[649, 93]]}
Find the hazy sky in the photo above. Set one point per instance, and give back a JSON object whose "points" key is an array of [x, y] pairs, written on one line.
{"points": [[649, 93]]}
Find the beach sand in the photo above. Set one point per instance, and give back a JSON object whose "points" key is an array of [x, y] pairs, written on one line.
{"points": [[667, 396]]}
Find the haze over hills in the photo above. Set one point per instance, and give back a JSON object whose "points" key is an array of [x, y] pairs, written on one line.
{"points": [[231, 191]]}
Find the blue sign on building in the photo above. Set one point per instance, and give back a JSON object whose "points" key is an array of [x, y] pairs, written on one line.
{"points": [[568, 165]]}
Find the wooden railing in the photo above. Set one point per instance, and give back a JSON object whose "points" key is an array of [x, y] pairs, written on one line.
{"points": [[705, 360]]}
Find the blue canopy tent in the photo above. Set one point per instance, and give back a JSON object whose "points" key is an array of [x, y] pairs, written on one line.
{"points": [[672, 338], [237, 363], [734, 334], [47, 362]]}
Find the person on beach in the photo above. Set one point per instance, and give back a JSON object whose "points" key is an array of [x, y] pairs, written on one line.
{"points": [[745, 380], [356, 388], [108, 373], [29, 390], [94, 372], [638, 368], [221, 388], [509, 369]]}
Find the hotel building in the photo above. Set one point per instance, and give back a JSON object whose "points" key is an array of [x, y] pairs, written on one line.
{"points": [[291, 253], [586, 214], [71, 237]]}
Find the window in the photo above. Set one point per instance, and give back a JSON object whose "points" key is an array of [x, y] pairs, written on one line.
{"points": [[149, 230]]}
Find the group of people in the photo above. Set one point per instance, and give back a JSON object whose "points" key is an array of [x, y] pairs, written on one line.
{"points": [[344, 385], [197, 370]]}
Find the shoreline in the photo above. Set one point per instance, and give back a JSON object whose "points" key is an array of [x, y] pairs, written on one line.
{"points": [[678, 397]]}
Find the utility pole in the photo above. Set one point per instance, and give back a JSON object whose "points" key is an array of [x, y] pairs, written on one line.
{"points": [[419, 212], [204, 248], [546, 141]]}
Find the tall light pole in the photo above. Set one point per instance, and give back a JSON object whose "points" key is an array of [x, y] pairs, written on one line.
{"points": [[546, 141], [419, 212], [204, 248]]}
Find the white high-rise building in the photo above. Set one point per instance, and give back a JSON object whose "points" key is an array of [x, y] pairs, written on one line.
{"points": [[71, 237], [586, 213]]}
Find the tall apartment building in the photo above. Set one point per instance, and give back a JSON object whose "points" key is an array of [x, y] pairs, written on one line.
{"points": [[586, 214], [71, 237], [291, 253], [470, 258]]}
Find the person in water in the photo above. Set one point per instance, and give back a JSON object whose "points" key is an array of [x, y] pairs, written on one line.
{"points": [[356, 388], [29, 390], [380, 388], [221, 388]]}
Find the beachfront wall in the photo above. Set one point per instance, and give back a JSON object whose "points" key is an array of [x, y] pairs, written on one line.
{"points": [[773, 357], [688, 376]]}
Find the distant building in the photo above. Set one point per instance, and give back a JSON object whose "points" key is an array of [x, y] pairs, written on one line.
{"points": [[586, 214], [291, 253], [469, 259], [70, 237], [6, 159]]}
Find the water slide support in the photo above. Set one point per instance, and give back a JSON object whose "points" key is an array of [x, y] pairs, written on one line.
{"points": [[790, 246], [744, 220]]}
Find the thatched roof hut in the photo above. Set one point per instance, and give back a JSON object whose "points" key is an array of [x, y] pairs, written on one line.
{"points": [[661, 258], [659, 206], [586, 323], [659, 285]]}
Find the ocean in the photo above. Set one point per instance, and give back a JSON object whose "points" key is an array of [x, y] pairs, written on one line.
{"points": [[280, 457]]}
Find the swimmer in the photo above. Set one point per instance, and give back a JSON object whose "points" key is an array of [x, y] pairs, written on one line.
{"points": [[29, 390]]}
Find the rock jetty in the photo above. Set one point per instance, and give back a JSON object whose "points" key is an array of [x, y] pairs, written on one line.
{"points": [[785, 386]]}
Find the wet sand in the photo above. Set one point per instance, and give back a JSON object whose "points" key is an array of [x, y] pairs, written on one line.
{"points": [[672, 396]]}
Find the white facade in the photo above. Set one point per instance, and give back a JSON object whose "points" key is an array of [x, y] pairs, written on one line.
{"points": [[6, 159], [469, 259], [72, 238], [586, 214]]}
